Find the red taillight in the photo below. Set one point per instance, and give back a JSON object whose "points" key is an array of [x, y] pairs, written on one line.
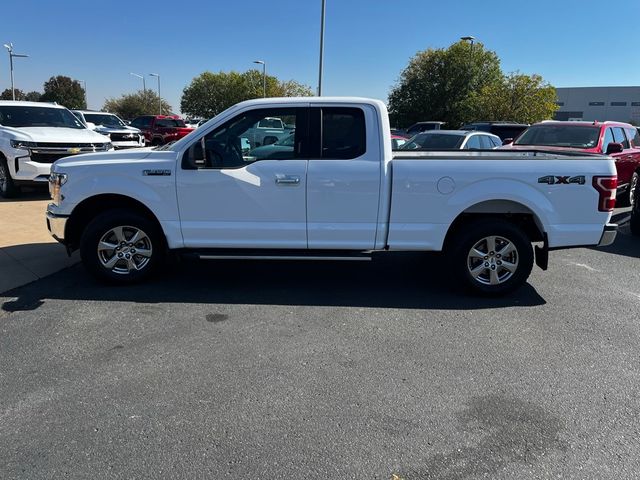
{"points": [[606, 187]]}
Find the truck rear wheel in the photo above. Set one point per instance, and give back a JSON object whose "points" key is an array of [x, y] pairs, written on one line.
{"points": [[119, 246], [634, 196], [8, 188], [491, 256]]}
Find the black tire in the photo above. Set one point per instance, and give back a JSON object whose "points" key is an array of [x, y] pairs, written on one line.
{"points": [[634, 190], [157, 141], [8, 188], [127, 270], [493, 266]]}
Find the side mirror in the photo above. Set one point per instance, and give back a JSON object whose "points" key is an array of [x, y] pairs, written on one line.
{"points": [[195, 156], [614, 147], [507, 141], [91, 126]]}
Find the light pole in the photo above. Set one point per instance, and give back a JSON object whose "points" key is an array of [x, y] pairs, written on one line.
{"points": [[84, 87], [471, 39], [9, 48], [264, 76], [321, 49], [144, 85], [159, 97]]}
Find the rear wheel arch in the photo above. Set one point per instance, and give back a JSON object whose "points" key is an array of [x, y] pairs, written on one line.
{"points": [[91, 207], [513, 212]]}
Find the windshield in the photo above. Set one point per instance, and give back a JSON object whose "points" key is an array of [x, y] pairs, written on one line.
{"points": [[22, 116], [105, 119], [170, 122], [434, 141], [575, 136]]}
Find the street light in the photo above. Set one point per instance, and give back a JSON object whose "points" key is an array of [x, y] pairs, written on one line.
{"points": [[471, 39], [84, 83], [159, 98], [264, 76], [144, 85], [9, 48], [321, 49]]}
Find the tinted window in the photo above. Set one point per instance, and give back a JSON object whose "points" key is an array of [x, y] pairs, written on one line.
{"points": [[170, 122], [573, 136], [507, 131], [237, 143], [619, 137], [473, 143], [343, 133], [103, 119], [434, 141], [486, 142], [23, 116]]}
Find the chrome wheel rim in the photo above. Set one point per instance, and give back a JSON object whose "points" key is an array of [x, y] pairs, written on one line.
{"points": [[125, 249], [632, 190], [493, 260]]}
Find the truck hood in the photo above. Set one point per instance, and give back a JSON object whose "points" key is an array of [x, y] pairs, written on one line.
{"points": [[105, 158], [56, 135], [103, 128]]}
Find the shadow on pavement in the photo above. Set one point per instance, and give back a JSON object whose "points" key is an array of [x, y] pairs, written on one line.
{"points": [[30, 194], [625, 244], [415, 281]]}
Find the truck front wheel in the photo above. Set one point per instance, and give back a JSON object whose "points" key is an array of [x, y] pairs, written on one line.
{"points": [[8, 188], [491, 256], [121, 247]]}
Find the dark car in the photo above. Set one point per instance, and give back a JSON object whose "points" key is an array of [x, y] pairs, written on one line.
{"points": [[504, 130], [421, 127]]}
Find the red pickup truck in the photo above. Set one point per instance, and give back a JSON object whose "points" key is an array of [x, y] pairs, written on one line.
{"points": [[617, 139], [161, 129]]}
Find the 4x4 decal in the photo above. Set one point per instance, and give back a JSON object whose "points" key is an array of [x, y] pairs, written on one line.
{"points": [[562, 180]]}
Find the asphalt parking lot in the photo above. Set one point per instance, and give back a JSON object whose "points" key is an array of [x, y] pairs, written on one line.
{"points": [[267, 370]]}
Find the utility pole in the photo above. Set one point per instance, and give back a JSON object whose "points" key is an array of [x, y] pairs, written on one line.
{"points": [[321, 49], [9, 48]]}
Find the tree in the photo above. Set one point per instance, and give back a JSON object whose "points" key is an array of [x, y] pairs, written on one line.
{"points": [[6, 94], [517, 97], [210, 93], [437, 84], [133, 105], [33, 96], [64, 91]]}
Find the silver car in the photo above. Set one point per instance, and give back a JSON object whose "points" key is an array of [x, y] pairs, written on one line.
{"points": [[452, 140]]}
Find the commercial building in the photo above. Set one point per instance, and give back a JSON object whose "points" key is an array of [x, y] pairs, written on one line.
{"points": [[599, 103]]}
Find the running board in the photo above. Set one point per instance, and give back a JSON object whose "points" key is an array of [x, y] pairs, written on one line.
{"points": [[240, 254]]}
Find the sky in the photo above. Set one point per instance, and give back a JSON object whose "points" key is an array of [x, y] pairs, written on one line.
{"points": [[367, 42]]}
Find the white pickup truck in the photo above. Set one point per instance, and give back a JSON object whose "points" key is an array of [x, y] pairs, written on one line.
{"points": [[338, 192]]}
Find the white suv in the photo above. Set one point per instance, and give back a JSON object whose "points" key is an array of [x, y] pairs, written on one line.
{"points": [[33, 135], [110, 125]]}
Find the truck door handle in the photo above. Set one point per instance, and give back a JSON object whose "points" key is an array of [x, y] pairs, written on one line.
{"points": [[287, 179]]}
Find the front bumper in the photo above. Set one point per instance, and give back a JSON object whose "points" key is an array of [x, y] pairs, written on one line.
{"points": [[56, 225], [608, 234]]}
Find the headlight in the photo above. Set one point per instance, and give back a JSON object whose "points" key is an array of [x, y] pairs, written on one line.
{"points": [[22, 144], [56, 180]]}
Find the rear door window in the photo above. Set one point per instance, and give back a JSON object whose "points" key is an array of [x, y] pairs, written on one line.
{"points": [[473, 143], [620, 137], [343, 134]]}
